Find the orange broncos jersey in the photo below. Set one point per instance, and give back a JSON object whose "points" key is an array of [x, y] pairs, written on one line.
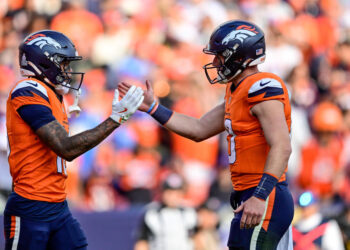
{"points": [[247, 146], [37, 172]]}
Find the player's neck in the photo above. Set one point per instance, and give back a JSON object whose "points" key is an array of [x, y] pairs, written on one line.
{"points": [[248, 71]]}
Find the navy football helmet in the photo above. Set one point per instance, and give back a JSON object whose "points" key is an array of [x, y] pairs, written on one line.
{"points": [[46, 55], [241, 44]]}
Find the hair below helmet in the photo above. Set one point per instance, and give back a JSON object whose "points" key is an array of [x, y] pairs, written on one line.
{"points": [[43, 55], [241, 44]]}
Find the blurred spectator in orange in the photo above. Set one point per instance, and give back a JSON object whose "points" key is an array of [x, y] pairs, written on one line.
{"points": [[79, 24], [139, 178], [15, 4], [320, 157]]}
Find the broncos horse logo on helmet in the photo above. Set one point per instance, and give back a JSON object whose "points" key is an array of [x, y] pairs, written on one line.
{"points": [[241, 34], [42, 41], [241, 43], [46, 55]]}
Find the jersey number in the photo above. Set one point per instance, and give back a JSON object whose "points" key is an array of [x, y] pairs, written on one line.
{"points": [[231, 141], [61, 166]]}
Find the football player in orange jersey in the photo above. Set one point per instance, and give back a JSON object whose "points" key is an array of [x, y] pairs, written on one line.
{"points": [[37, 216], [256, 114]]}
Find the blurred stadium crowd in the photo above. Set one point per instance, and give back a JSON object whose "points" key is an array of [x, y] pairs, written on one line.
{"points": [[308, 45]]}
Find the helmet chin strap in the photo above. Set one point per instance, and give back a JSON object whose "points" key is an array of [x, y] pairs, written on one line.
{"points": [[238, 71], [242, 67]]}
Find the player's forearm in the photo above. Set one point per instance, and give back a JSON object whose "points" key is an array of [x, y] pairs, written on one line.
{"points": [[70, 147], [88, 139], [185, 126], [275, 165], [208, 125], [277, 159]]}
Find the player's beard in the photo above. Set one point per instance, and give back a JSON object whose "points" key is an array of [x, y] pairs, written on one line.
{"points": [[62, 90]]}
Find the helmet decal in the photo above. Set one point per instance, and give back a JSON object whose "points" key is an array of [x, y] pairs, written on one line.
{"points": [[240, 34], [31, 37], [41, 41], [247, 27]]}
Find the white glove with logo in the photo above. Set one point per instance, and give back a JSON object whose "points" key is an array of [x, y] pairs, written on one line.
{"points": [[127, 106]]}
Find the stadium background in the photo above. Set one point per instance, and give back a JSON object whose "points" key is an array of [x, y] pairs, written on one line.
{"points": [[308, 45]]}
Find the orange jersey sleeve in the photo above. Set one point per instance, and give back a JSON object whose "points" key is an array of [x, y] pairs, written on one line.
{"points": [[37, 172], [247, 145]]}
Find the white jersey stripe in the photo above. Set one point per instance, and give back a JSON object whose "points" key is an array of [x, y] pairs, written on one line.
{"points": [[17, 231]]}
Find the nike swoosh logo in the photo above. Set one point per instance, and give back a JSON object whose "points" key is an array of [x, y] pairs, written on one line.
{"points": [[264, 83], [125, 109], [33, 84]]}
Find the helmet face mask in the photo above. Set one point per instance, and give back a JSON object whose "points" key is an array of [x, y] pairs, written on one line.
{"points": [[46, 55], [215, 71], [228, 69], [240, 43], [67, 76]]}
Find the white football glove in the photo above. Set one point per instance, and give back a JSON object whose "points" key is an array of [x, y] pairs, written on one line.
{"points": [[127, 106]]}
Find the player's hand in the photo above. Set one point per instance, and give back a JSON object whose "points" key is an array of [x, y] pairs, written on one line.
{"points": [[253, 210], [127, 106], [123, 87]]}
